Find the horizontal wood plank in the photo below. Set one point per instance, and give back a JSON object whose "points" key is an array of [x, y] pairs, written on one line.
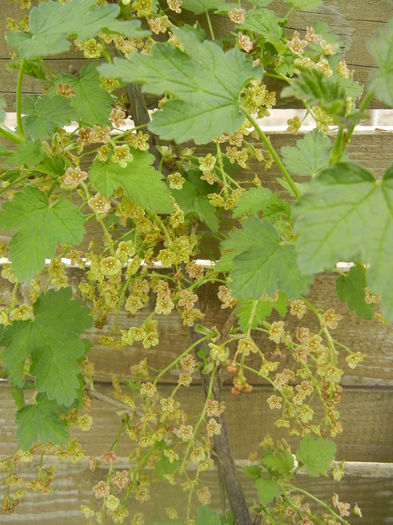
{"points": [[72, 487], [373, 151], [366, 415], [354, 26], [373, 338]]}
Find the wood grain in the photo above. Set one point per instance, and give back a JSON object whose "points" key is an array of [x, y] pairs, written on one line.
{"points": [[353, 25], [373, 151], [366, 414], [73, 484]]}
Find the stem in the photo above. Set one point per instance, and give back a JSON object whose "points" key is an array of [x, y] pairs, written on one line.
{"points": [[252, 315], [19, 100], [363, 106], [14, 295], [201, 417], [273, 153], [210, 26], [223, 455], [342, 139], [319, 501], [10, 135], [338, 147], [121, 298], [163, 228], [174, 363], [16, 181]]}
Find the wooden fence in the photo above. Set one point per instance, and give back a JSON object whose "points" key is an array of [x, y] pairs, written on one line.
{"points": [[367, 406]]}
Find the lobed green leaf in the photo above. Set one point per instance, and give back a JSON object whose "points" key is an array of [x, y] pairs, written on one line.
{"points": [[40, 226], [347, 212]]}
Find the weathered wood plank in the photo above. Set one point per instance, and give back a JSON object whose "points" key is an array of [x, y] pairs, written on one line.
{"points": [[354, 26], [372, 338], [366, 415], [373, 151], [73, 484]]}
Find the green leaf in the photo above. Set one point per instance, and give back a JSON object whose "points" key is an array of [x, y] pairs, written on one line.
{"points": [[252, 471], [52, 23], [262, 311], [92, 104], [40, 422], [278, 462], [164, 466], [316, 454], [128, 28], [313, 50], [18, 396], [2, 109], [43, 115], [142, 183], [262, 263], [351, 290], [316, 88], [192, 199], [206, 516], [347, 212], [381, 79], [267, 490], [304, 5], [281, 305], [260, 3], [203, 105], [52, 343], [40, 226], [201, 6], [252, 201], [264, 22], [27, 153], [33, 68], [309, 156]]}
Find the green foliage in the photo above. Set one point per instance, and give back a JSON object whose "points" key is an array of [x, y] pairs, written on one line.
{"points": [[304, 5], [326, 237], [263, 22], [52, 23], [201, 6], [261, 263], [252, 201], [192, 199], [41, 422], [144, 200], [40, 226], [309, 156], [164, 466], [142, 183], [316, 454], [92, 105], [204, 106], [267, 490], [278, 462], [330, 93], [351, 289], [52, 343], [261, 312], [381, 80], [43, 115], [252, 471], [206, 516], [27, 153]]}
